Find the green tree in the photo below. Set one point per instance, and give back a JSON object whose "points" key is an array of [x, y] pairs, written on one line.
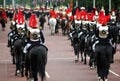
{"points": [[1, 2]]}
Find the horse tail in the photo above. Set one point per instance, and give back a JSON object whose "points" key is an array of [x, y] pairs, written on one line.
{"points": [[103, 58], [41, 66], [105, 62]]}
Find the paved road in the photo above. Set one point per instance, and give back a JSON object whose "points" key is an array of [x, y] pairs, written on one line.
{"points": [[60, 66]]}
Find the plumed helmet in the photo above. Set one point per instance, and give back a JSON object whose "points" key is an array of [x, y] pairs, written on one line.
{"points": [[33, 21], [33, 28], [20, 20]]}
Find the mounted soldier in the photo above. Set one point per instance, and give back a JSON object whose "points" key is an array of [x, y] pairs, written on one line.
{"points": [[18, 42], [42, 19], [12, 33], [64, 21], [103, 47], [36, 38], [35, 34], [114, 32], [52, 21]]}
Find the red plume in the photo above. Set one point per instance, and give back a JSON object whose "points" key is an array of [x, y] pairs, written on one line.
{"points": [[33, 21]]}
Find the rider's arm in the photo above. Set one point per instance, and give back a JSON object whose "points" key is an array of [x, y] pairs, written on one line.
{"points": [[25, 50]]}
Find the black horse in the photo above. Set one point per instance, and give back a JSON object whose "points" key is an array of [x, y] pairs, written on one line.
{"points": [[114, 32], [75, 43], [19, 57], [10, 42], [36, 62], [82, 45], [88, 49], [103, 50], [42, 21], [89, 40], [103, 54], [63, 26]]}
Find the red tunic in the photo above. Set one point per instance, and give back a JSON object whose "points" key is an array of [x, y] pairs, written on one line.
{"points": [[4, 16]]}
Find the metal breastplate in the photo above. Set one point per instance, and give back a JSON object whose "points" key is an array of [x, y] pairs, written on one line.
{"points": [[103, 31]]}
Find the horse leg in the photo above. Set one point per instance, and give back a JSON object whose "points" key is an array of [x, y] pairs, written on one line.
{"points": [[91, 61], [52, 30], [27, 66], [85, 55], [76, 57], [22, 69], [63, 31], [76, 53], [22, 65], [56, 28], [35, 74], [17, 65], [13, 58], [81, 52], [42, 25], [12, 54]]}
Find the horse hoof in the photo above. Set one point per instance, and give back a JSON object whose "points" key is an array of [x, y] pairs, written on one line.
{"points": [[91, 67], [31, 79], [100, 79], [81, 60], [26, 74], [85, 63], [18, 71], [15, 74], [22, 75], [27, 78], [76, 61]]}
